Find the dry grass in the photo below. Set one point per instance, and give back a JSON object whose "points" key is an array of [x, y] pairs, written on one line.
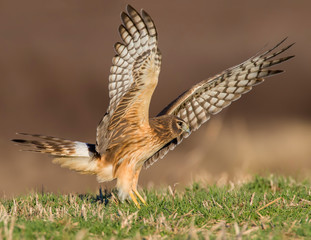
{"points": [[262, 208]]}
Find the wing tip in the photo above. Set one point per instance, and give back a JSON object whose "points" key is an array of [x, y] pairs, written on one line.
{"points": [[129, 7], [274, 72], [284, 59], [289, 57], [16, 140]]}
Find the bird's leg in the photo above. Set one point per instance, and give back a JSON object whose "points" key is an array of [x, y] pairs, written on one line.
{"points": [[134, 199], [134, 186], [125, 178], [140, 197]]}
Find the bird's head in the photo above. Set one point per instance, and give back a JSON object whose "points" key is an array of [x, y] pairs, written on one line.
{"points": [[180, 126]]}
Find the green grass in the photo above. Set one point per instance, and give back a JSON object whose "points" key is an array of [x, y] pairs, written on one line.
{"points": [[198, 212]]}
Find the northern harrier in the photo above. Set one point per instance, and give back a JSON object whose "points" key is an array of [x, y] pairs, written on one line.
{"points": [[127, 139]]}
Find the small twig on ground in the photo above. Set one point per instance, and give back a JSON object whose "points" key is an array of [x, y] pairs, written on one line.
{"points": [[216, 203], [267, 205], [252, 198], [305, 201]]}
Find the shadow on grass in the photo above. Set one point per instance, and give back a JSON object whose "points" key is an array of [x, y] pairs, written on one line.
{"points": [[102, 197]]}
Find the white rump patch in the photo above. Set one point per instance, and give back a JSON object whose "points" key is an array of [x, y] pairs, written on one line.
{"points": [[82, 150]]}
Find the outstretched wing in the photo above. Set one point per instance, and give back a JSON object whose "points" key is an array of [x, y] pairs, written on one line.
{"points": [[133, 78], [208, 97]]}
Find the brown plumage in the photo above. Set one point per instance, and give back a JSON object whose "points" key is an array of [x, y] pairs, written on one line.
{"points": [[126, 137]]}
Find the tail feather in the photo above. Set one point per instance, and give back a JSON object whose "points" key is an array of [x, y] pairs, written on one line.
{"points": [[82, 165], [75, 155]]}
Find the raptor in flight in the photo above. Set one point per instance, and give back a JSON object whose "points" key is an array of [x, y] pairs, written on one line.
{"points": [[127, 139]]}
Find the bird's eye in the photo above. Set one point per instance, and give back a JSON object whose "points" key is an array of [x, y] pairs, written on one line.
{"points": [[180, 123]]}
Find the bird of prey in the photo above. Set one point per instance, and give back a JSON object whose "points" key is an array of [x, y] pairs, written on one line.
{"points": [[127, 138]]}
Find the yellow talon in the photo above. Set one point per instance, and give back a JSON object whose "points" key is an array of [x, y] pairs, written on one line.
{"points": [[140, 197], [134, 200]]}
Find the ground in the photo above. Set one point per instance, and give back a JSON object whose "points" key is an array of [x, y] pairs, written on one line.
{"points": [[265, 207]]}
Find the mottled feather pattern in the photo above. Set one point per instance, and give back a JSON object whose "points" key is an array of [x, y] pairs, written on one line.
{"points": [[136, 56], [57, 146], [75, 155], [139, 40], [210, 96]]}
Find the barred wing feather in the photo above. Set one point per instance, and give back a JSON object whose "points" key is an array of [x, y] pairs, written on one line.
{"points": [[208, 97], [136, 56]]}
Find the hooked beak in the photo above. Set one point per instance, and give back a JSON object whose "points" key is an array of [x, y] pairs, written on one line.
{"points": [[186, 129]]}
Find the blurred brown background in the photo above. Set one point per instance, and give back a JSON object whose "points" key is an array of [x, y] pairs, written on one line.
{"points": [[54, 65]]}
